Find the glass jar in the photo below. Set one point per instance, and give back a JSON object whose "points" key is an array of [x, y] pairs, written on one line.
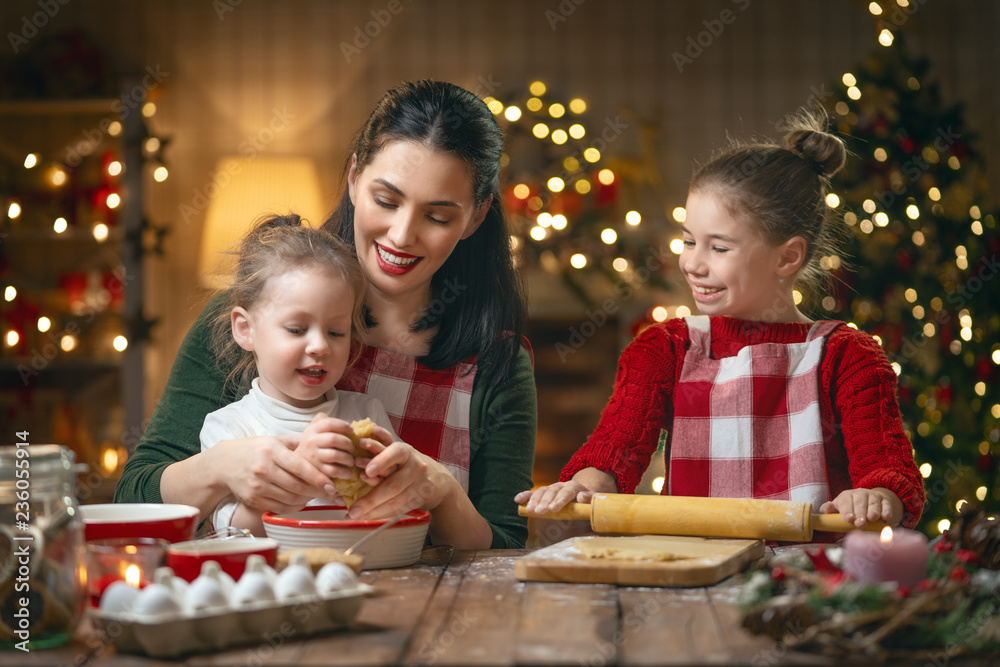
{"points": [[42, 571]]}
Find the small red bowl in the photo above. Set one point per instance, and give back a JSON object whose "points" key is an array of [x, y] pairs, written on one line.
{"points": [[173, 523], [186, 558]]}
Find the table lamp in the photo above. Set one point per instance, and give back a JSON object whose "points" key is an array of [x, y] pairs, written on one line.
{"points": [[246, 190]]}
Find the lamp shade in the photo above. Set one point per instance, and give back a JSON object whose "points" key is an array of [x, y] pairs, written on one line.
{"points": [[247, 190]]}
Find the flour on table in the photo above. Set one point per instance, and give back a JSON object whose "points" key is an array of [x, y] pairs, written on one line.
{"points": [[632, 548]]}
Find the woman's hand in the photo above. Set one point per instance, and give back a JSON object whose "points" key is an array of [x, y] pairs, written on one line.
{"points": [[859, 506], [553, 497], [267, 474], [402, 478], [326, 444]]}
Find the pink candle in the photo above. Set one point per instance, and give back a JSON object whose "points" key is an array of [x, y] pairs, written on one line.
{"points": [[895, 554]]}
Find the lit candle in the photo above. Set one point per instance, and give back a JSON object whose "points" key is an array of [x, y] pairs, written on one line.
{"points": [[898, 555]]}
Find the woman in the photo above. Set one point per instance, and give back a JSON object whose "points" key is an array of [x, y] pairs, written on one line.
{"points": [[444, 353]]}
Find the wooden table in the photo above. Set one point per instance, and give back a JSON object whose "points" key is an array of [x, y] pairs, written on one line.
{"points": [[466, 608]]}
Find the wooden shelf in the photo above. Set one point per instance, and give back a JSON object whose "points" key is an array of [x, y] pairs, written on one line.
{"points": [[99, 105], [68, 374], [100, 395]]}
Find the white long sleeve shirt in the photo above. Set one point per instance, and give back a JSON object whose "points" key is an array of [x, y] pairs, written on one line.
{"points": [[258, 414]]}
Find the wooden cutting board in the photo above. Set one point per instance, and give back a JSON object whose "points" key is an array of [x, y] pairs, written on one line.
{"points": [[700, 561]]}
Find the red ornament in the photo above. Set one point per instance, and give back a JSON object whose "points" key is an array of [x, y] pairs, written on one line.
{"points": [[986, 462], [959, 574], [943, 546], [513, 203], [903, 259], [778, 573], [74, 284], [907, 145], [821, 562], [605, 195], [966, 556], [831, 582], [113, 286]]}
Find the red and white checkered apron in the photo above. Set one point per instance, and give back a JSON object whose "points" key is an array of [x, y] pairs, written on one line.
{"points": [[748, 426], [429, 409]]}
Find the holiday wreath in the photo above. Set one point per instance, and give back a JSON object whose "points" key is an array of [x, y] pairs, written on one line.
{"points": [[807, 602]]}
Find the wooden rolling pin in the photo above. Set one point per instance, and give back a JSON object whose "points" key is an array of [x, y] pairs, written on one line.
{"points": [[784, 520]]}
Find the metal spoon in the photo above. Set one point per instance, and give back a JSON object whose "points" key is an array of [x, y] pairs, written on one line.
{"points": [[391, 522]]}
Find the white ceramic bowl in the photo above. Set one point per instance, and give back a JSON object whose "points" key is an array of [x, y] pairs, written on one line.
{"points": [[325, 526]]}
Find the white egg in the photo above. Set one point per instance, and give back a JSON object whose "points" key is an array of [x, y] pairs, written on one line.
{"points": [[334, 577], [295, 581], [257, 563], [205, 594], [211, 568], [252, 587], [119, 597], [165, 575], [156, 601]]}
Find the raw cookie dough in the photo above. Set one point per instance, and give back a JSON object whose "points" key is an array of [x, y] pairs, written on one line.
{"points": [[352, 489], [637, 548]]}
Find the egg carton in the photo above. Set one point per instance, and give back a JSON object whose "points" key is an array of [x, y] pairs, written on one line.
{"points": [[174, 629]]}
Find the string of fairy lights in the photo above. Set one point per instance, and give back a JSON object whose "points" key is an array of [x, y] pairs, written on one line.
{"points": [[563, 243], [566, 211], [27, 215], [932, 207]]}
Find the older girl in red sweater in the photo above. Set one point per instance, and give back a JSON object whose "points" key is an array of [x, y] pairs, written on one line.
{"points": [[755, 399]]}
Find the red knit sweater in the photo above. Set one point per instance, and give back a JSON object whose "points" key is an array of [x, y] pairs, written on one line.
{"points": [[862, 427]]}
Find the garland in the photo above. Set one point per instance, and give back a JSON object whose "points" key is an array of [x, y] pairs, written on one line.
{"points": [[807, 602]]}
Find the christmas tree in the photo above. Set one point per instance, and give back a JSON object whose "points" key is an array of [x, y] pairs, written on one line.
{"points": [[580, 209], [924, 251]]}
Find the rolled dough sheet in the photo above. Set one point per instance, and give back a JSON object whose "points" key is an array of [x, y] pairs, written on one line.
{"points": [[632, 548]]}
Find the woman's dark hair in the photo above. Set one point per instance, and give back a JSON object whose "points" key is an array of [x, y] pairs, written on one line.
{"points": [[487, 316], [782, 188]]}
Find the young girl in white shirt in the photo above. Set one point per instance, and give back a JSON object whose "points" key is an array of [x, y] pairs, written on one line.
{"points": [[286, 330]]}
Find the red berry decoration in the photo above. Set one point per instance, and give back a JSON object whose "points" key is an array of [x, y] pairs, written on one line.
{"points": [[943, 546], [966, 556]]}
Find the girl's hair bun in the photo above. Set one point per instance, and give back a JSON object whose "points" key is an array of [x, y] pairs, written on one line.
{"points": [[807, 138]]}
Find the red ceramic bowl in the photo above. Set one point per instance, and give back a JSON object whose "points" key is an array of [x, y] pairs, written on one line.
{"points": [[173, 523], [186, 558]]}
